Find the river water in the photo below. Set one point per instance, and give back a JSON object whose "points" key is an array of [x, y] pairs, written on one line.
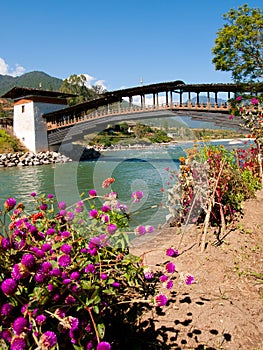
{"points": [[133, 169]]}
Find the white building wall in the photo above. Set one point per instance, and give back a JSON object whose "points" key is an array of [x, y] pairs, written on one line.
{"points": [[29, 125]]}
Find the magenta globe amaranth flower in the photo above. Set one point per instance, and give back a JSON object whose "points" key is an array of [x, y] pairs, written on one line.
{"points": [[111, 228], [149, 229], [62, 212], [137, 196], [104, 345], [20, 325], [93, 213], [105, 208], [50, 231], [70, 216], [5, 243], [43, 206], [6, 309], [62, 205], [18, 343], [171, 252], [46, 266], [10, 204], [170, 267], [64, 260], [66, 248], [93, 193], [28, 260], [254, 101], [115, 284], [189, 279], [46, 247], [55, 272], [163, 278], [19, 271], [40, 319], [169, 284], [140, 230], [90, 268], [160, 300], [103, 276], [74, 275], [6, 335], [48, 340], [9, 286]]}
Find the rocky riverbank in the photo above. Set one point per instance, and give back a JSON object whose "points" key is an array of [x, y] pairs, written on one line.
{"points": [[31, 159], [76, 153]]}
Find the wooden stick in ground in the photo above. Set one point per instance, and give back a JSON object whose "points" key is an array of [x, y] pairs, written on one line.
{"points": [[209, 209]]}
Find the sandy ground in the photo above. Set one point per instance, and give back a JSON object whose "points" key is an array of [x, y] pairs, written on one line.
{"points": [[223, 309]]}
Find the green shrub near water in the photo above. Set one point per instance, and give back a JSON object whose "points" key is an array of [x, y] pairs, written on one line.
{"points": [[9, 143]]}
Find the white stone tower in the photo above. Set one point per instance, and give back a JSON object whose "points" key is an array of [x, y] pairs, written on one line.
{"points": [[29, 106]]}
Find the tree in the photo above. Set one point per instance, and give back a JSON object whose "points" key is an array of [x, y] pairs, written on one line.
{"points": [[77, 84], [239, 44]]}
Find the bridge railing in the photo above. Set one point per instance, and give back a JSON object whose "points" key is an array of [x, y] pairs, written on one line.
{"points": [[72, 119]]}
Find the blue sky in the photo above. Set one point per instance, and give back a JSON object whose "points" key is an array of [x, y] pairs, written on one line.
{"points": [[114, 42]]}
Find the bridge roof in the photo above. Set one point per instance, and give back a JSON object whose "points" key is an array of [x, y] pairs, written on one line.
{"points": [[180, 86], [148, 89], [18, 92]]}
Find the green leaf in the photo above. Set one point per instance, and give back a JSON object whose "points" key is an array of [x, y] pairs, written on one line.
{"points": [[101, 330]]}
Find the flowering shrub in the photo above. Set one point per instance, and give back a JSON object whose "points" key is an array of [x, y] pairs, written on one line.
{"points": [[211, 185], [250, 109], [65, 270]]}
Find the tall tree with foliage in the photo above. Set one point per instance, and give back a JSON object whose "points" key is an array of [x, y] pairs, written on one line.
{"points": [[239, 44], [77, 84]]}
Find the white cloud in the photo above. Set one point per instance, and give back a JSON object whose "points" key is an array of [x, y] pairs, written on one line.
{"points": [[91, 81], [3, 67], [101, 83], [5, 70]]}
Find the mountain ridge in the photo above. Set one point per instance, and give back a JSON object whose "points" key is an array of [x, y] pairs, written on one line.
{"points": [[35, 79]]}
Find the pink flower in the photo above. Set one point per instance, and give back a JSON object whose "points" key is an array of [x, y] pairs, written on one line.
{"points": [[163, 278], [160, 300], [149, 229], [103, 346], [10, 203], [170, 267], [93, 213], [171, 252], [111, 228], [239, 98], [254, 101], [137, 196], [93, 193], [189, 279], [169, 284], [231, 116], [62, 205], [140, 230]]}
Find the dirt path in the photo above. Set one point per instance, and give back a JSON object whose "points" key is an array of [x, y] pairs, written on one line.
{"points": [[223, 309]]}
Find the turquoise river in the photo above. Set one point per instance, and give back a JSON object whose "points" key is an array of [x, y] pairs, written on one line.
{"points": [[133, 169]]}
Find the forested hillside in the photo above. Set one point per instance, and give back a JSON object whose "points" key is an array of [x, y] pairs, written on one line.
{"points": [[32, 80]]}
